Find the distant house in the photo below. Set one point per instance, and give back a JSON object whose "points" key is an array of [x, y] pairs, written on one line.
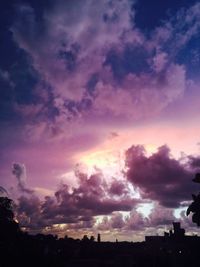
{"points": [[176, 235]]}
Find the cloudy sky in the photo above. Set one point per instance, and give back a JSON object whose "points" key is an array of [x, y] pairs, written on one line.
{"points": [[99, 114]]}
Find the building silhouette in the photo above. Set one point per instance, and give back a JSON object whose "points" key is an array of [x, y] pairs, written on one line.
{"points": [[175, 234], [98, 238]]}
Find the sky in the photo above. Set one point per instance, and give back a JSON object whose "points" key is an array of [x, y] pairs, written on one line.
{"points": [[99, 105]]}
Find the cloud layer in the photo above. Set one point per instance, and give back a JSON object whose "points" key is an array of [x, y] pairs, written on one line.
{"points": [[90, 198], [95, 54], [161, 180]]}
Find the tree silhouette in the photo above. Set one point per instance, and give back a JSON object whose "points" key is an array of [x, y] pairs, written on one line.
{"points": [[8, 226], [194, 207], [6, 209]]}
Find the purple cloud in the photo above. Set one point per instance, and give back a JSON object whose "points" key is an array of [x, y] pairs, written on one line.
{"points": [[159, 177], [161, 216], [78, 48], [89, 199], [118, 188], [19, 170]]}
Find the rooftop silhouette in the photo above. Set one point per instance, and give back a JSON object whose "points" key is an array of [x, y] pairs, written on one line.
{"points": [[174, 248]]}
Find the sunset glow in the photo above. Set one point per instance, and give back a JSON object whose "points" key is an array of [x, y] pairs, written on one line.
{"points": [[99, 118]]}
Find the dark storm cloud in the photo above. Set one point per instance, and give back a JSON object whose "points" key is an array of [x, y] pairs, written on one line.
{"points": [[89, 199], [92, 198], [159, 177]]}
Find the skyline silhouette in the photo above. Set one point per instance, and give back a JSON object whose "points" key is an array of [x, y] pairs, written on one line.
{"points": [[174, 248]]}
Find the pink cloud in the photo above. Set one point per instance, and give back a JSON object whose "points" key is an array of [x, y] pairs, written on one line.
{"points": [[87, 31], [86, 39], [141, 96]]}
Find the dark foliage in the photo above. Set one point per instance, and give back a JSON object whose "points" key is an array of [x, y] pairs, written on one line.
{"points": [[194, 207]]}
